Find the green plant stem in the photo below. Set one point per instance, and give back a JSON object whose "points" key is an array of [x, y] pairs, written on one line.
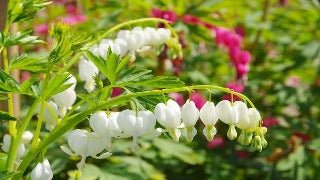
{"points": [[68, 122], [35, 140], [113, 29], [21, 128]]}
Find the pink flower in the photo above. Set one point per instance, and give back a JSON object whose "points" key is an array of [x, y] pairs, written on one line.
{"points": [[234, 53], [318, 82], [41, 29], [189, 19], [240, 30], [71, 9], [25, 75], [198, 99], [75, 19], [242, 154], [270, 121], [178, 66], [242, 70], [116, 92], [167, 15], [216, 142], [293, 81], [237, 87], [304, 137], [244, 57], [178, 98]]}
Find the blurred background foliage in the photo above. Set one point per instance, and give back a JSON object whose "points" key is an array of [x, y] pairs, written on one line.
{"points": [[283, 37]]}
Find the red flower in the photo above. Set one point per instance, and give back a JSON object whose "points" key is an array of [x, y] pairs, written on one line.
{"points": [[116, 92], [242, 154], [304, 137], [216, 142], [167, 15], [189, 19], [270, 121]]}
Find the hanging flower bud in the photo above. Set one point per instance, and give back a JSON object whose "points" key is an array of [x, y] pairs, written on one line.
{"points": [[136, 124], [169, 116], [42, 171], [189, 116], [87, 70], [228, 114], [26, 137], [65, 100], [84, 144], [209, 118], [6, 146]]}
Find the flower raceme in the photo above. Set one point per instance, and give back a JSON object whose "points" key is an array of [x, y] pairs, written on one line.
{"points": [[135, 124]]}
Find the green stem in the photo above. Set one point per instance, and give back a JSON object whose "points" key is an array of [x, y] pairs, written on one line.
{"points": [[68, 122], [35, 140], [21, 128], [113, 29]]}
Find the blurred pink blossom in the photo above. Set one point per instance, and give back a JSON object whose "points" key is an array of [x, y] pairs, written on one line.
{"points": [[242, 154], [198, 99], [190, 19], [25, 75], [240, 30], [270, 121], [167, 15], [116, 92], [304, 137], [71, 9], [41, 29], [318, 82], [216, 142], [293, 81], [237, 87], [74, 19], [244, 57], [178, 98]]}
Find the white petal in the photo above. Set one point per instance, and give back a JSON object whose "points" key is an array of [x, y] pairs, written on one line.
{"points": [[26, 137], [208, 114], [189, 113], [225, 112]]}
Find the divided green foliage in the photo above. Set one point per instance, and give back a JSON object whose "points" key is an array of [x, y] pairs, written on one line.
{"points": [[25, 62], [19, 38], [8, 83], [143, 77], [6, 116], [109, 66], [56, 85], [65, 42], [22, 10]]}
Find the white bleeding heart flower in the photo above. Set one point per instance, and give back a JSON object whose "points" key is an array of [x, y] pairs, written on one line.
{"points": [[123, 45], [26, 137], [189, 116], [87, 70], [249, 119], [209, 118], [136, 124], [83, 143], [42, 171], [169, 116], [152, 36], [49, 116], [65, 100], [164, 35], [72, 80], [106, 125], [228, 114], [6, 146]]}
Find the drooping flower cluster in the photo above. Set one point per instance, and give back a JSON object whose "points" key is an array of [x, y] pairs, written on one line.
{"points": [[175, 121], [127, 42], [25, 140]]}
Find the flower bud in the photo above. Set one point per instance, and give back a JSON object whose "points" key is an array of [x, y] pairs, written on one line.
{"points": [[26, 137], [6, 146], [65, 100], [42, 171], [232, 132]]}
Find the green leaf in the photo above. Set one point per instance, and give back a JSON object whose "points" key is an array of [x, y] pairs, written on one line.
{"points": [[27, 63], [6, 116], [178, 150], [8, 83], [7, 174], [161, 82], [107, 67], [20, 38], [56, 85], [133, 75], [122, 64]]}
